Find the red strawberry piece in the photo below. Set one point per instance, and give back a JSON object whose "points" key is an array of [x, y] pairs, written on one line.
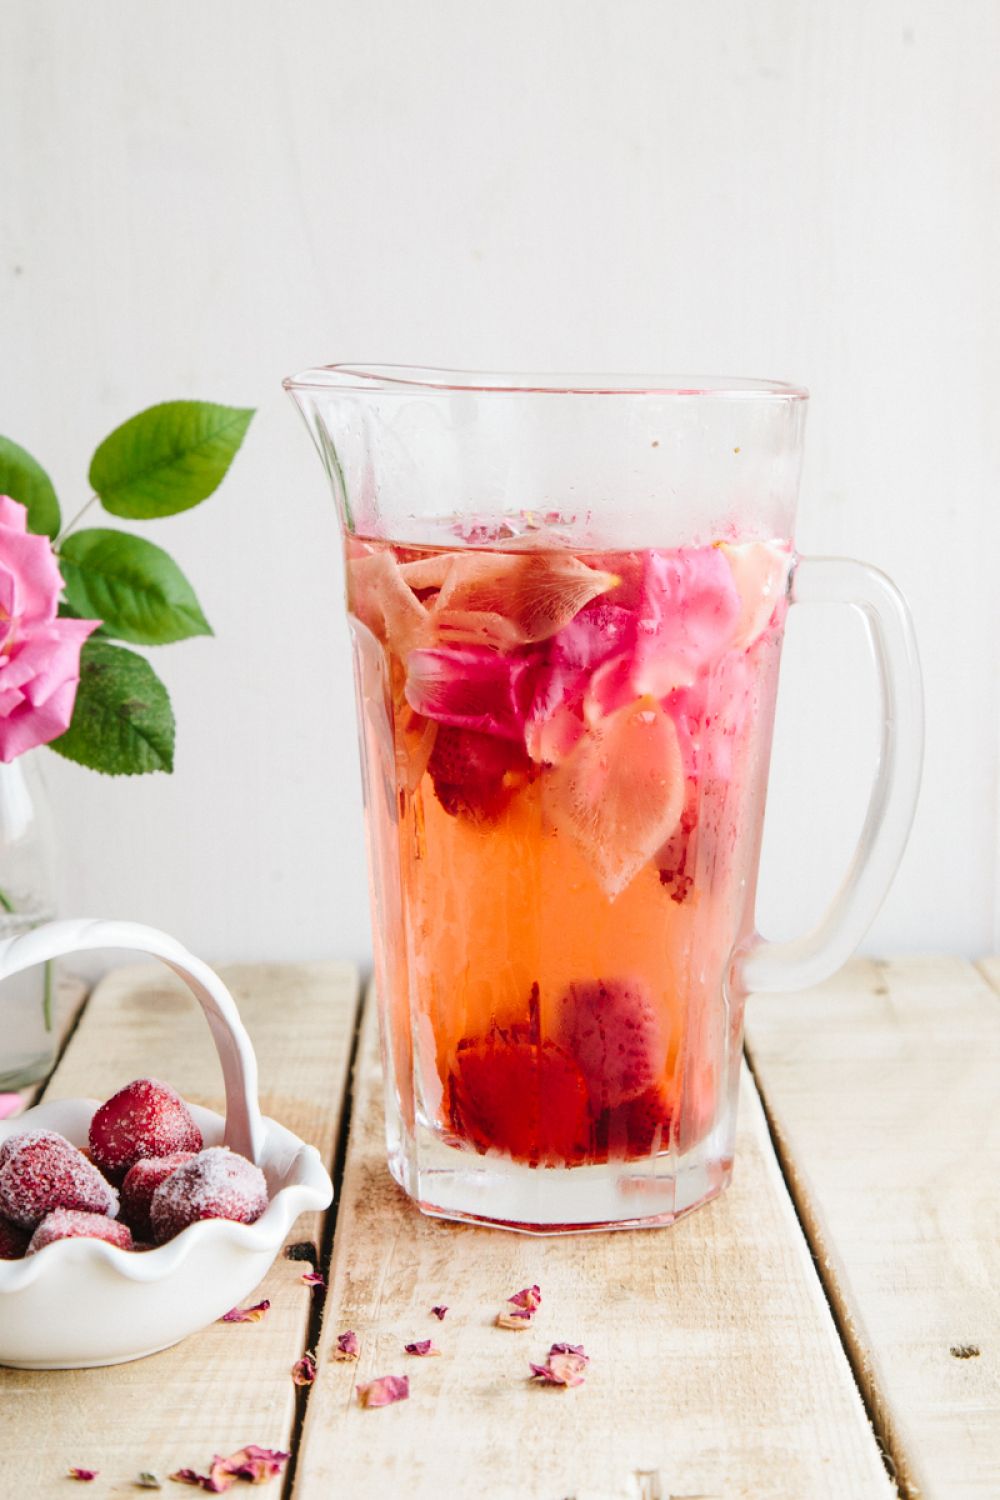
{"points": [[43, 1171], [215, 1184], [145, 1118], [13, 1241], [611, 1028], [637, 1128], [71, 1224], [141, 1182], [517, 1097], [475, 775]]}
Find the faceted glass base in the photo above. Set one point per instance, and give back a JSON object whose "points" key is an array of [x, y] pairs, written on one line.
{"points": [[453, 1183]]}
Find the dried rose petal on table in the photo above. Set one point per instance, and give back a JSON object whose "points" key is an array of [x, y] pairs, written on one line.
{"points": [[520, 1308], [347, 1346], [439, 1313], [252, 1463], [314, 1278], [304, 1370], [422, 1347], [384, 1391], [246, 1314], [564, 1367], [84, 1475]]}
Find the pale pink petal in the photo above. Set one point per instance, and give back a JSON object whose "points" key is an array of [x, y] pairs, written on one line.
{"points": [[38, 582], [13, 514], [760, 572], [468, 687], [380, 597], [689, 615], [538, 593], [620, 794]]}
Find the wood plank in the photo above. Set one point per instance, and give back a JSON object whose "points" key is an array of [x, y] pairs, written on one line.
{"points": [[882, 1089], [990, 970], [230, 1384], [715, 1369]]}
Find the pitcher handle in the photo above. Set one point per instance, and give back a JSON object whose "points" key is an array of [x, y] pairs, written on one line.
{"points": [[805, 961]]}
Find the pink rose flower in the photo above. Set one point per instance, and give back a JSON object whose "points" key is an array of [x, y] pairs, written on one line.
{"points": [[39, 653]]}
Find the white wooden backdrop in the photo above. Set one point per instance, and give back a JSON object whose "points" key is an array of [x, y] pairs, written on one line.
{"points": [[200, 196]]}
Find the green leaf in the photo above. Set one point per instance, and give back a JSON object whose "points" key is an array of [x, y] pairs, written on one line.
{"points": [[23, 478], [122, 724], [135, 588], [167, 458]]}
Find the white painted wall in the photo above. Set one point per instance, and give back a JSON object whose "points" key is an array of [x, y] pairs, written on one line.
{"points": [[200, 196]]}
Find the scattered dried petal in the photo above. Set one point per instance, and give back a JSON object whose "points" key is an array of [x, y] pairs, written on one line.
{"points": [[84, 1475], [148, 1481], [347, 1346], [314, 1278], [517, 1318], [255, 1464], [564, 1367], [520, 1308], [439, 1313], [252, 1463], [246, 1314], [304, 1370], [384, 1391], [422, 1347]]}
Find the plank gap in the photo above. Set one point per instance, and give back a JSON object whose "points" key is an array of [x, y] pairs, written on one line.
{"points": [[324, 1250], [874, 1409]]}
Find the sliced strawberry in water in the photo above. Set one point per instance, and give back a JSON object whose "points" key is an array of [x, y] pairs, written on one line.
{"points": [[611, 1029], [528, 1101], [475, 775], [637, 1128]]}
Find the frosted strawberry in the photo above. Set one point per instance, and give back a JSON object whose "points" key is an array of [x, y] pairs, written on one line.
{"points": [[71, 1224], [42, 1171], [13, 1241], [141, 1182], [611, 1029], [215, 1184], [517, 1097], [145, 1118]]}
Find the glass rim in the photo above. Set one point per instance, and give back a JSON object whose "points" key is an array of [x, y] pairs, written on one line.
{"points": [[430, 380]]}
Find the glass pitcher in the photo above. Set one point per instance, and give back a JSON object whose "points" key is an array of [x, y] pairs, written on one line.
{"points": [[567, 597]]}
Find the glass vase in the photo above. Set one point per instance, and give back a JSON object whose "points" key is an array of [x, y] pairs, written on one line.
{"points": [[27, 898]]}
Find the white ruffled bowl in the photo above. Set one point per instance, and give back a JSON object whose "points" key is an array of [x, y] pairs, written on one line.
{"points": [[83, 1302]]}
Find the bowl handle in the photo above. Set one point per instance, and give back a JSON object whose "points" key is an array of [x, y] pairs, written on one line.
{"points": [[244, 1130]]}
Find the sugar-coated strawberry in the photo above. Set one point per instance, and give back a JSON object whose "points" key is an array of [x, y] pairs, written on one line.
{"points": [[475, 775], [70, 1224], [13, 1241], [141, 1182], [611, 1029], [145, 1118], [527, 1100], [43, 1171], [215, 1184]]}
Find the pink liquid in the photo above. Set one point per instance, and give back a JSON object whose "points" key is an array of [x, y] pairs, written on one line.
{"points": [[565, 763]]}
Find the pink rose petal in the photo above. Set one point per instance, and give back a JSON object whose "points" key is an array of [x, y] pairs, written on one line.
{"points": [[384, 1391], [347, 1346], [422, 1347], [246, 1314]]}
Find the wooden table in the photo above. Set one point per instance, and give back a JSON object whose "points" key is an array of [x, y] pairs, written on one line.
{"points": [[828, 1328]]}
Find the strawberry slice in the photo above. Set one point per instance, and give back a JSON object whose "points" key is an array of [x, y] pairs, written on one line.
{"points": [[639, 1127], [611, 1029], [475, 775], [526, 1100]]}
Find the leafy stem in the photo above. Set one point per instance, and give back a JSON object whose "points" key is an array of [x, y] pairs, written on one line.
{"points": [[76, 519], [6, 903]]}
